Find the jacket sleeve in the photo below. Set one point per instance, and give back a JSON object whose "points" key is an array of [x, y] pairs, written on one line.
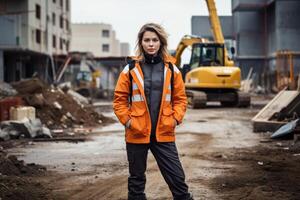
{"points": [[120, 102], [179, 96]]}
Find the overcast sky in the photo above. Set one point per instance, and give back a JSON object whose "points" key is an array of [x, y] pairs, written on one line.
{"points": [[127, 16]]}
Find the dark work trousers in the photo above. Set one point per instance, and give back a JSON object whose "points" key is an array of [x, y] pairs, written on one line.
{"points": [[166, 156]]}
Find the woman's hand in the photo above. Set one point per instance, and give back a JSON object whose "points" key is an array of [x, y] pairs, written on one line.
{"points": [[175, 122], [128, 123]]}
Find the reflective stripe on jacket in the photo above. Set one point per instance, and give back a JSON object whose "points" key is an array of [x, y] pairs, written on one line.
{"points": [[138, 112]]}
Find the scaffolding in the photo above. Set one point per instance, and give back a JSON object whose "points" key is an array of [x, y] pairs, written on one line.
{"points": [[285, 69]]}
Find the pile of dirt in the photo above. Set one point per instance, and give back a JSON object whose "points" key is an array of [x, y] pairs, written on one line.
{"points": [[55, 108], [261, 172], [16, 179], [10, 165]]}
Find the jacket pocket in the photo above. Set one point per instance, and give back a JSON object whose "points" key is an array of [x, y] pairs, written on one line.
{"points": [[138, 124], [167, 125]]}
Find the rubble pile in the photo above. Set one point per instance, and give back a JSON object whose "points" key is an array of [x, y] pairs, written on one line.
{"points": [[55, 108]]}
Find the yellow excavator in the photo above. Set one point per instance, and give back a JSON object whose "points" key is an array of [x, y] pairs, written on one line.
{"points": [[88, 80], [211, 75]]}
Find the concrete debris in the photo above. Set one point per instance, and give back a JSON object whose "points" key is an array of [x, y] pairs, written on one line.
{"points": [[4, 136], [70, 133], [259, 90], [7, 90], [58, 109], [46, 132], [64, 85], [57, 105], [246, 85], [260, 163], [58, 131], [64, 119], [29, 128], [83, 130], [78, 97], [70, 116]]}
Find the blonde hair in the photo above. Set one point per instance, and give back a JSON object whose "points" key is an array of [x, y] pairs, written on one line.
{"points": [[162, 35]]}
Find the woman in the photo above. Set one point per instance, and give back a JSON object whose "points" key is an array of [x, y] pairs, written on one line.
{"points": [[150, 101]]}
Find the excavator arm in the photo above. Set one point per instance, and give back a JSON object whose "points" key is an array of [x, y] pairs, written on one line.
{"points": [[216, 29]]}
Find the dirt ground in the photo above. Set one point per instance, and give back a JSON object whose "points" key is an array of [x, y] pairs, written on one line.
{"points": [[221, 156]]}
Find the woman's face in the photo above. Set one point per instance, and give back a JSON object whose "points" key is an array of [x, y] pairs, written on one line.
{"points": [[150, 43]]}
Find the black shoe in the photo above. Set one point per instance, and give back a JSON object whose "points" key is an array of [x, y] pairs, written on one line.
{"points": [[191, 197]]}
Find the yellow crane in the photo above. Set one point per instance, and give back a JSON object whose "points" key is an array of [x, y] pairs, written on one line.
{"points": [[211, 75]]}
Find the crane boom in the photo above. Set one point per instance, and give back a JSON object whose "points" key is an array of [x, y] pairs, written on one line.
{"points": [[216, 28], [215, 22]]}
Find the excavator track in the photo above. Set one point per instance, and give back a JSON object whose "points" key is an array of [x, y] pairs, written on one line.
{"points": [[196, 99], [244, 99]]}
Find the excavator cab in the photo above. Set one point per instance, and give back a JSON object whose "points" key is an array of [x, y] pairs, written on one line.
{"points": [[207, 54]]}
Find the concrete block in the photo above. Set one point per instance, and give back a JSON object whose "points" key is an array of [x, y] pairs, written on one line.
{"points": [[20, 113]]}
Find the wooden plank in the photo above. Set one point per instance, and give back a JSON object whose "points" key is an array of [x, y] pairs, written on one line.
{"points": [[61, 139], [280, 101]]}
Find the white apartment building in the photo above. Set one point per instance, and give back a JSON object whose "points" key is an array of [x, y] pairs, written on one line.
{"points": [[97, 38], [37, 25], [31, 32]]}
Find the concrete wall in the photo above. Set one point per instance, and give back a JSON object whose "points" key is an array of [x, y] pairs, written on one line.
{"points": [[249, 29], [247, 5], [271, 30], [251, 37], [201, 26], [1, 66], [288, 24]]}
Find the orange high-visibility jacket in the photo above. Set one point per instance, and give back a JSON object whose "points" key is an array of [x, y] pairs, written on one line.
{"points": [[138, 112]]}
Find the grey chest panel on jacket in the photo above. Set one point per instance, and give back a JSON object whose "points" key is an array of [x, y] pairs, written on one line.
{"points": [[153, 86]]}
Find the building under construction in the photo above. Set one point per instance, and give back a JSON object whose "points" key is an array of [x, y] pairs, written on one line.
{"points": [[34, 31], [265, 34]]}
